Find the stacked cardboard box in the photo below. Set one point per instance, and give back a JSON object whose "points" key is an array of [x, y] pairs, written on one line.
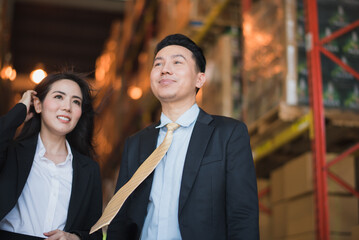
{"points": [[264, 217], [355, 232], [312, 236], [293, 204], [298, 175], [300, 215], [279, 205]]}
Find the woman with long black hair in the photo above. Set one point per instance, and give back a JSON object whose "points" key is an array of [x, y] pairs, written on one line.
{"points": [[50, 185]]}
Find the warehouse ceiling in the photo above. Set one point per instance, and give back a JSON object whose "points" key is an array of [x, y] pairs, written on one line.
{"points": [[57, 34]]}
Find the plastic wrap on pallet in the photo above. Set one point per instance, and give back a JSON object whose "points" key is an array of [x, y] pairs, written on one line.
{"points": [[275, 67], [264, 64]]}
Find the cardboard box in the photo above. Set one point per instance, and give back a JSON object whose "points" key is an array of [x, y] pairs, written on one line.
{"points": [[355, 232], [298, 175], [262, 185], [264, 226], [345, 169], [277, 186], [312, 236], [264, 217], [300, 214], [279, 220]]}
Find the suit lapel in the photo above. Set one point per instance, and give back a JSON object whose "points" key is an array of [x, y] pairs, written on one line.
{"points": [[147, 145], [196, 149], [79, 187], [25, 158]]}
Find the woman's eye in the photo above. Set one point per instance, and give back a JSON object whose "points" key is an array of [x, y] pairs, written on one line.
{"points": [[58, 96], [156, 64], [77, 102], [178, 62]]}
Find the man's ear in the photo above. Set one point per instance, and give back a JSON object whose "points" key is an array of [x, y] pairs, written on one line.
{"points": [[201, 79], [37, 105]]}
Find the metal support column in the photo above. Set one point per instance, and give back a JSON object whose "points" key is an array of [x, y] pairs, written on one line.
{"points": [[316, 102]]}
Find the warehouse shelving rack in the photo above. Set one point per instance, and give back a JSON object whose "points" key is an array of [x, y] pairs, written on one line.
{"points": [[314, 121], [314, 49]]}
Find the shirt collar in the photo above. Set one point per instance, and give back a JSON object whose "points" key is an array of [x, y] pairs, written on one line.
{"points": [[41, 150], [185, 120]]}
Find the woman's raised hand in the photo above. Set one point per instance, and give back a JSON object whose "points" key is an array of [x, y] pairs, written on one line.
{"points": [[28, 99]]}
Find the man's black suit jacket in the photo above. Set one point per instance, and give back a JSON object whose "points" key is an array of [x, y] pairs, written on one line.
{"points": [[218, 196], [16, 159]]}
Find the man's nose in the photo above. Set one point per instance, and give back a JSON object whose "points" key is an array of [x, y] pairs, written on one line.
{"points": [[167, 68]]}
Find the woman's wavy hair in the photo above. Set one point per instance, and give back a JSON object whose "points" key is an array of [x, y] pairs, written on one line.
{"points": [[81, 137]]}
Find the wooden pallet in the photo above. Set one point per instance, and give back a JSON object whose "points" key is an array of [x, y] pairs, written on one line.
{"points": [[283, 133], [274, 121], [283, 115], [342, 118]]}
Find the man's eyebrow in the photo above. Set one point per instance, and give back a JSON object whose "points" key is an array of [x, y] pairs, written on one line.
{"points": [[178, 55], [173, 56], [157, 58]]}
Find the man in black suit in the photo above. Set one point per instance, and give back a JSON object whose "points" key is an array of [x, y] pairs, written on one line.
{"points": [[205, 185]]}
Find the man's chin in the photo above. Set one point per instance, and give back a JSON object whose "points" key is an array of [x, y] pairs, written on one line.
{"points": [[166, 97]]}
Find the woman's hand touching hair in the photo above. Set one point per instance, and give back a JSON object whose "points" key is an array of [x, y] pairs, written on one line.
{"points": [[28, 99]]}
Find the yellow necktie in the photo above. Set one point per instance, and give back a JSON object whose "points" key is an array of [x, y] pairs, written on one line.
{"points": [[141, 174]]}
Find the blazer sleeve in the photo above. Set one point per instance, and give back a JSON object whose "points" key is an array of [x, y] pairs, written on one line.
{"points": [[95, 210], [96, 203], [241, 187], [8, 125], [120, 228]]}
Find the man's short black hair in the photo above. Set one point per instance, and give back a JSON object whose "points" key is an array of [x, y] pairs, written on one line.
{"points": [[184, 41]]}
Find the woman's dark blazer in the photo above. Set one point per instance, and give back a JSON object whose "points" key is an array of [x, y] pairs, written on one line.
{"points": [[16, 158]]}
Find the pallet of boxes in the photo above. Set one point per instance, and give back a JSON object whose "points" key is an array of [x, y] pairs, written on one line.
{"points": [[275, 72], [292, 200]]}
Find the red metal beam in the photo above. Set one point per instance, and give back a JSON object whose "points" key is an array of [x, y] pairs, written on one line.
{"points": [[340, 32], [343, 155], [343, 184], [316, 102], [264, 208], [263, 192], [339, 62]]}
